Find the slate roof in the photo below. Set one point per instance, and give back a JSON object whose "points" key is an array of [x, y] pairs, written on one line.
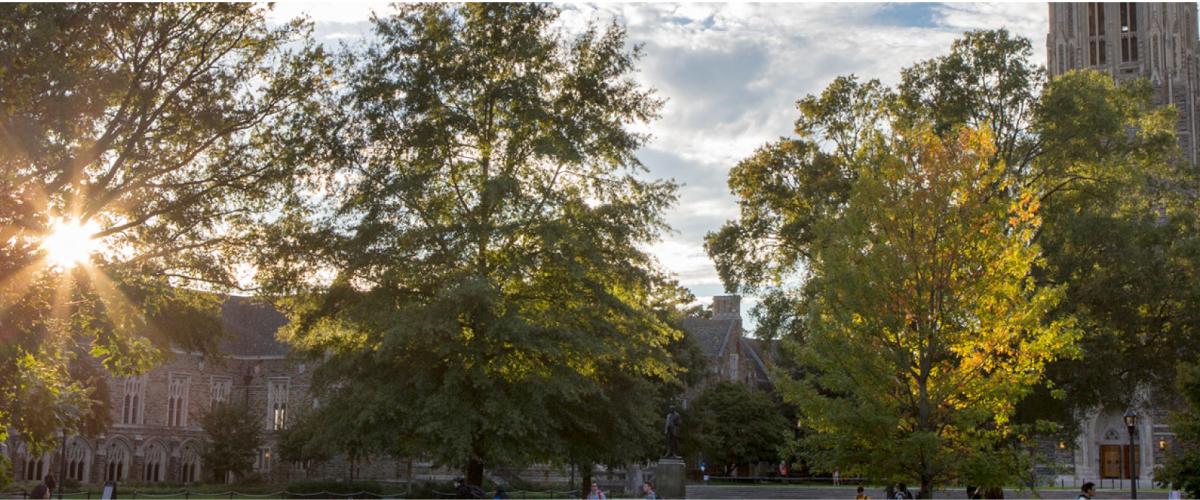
{"points": [[711, 334], [250, 327], [763, 352]]}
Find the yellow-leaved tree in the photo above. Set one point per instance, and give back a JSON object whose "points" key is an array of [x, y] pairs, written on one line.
{"points": [[925, 327]]}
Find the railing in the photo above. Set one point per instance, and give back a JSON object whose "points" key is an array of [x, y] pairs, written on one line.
{"points": [[187, 494], [787, 479]]}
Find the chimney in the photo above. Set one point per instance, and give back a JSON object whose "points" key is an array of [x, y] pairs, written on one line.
{"points": [[727, 307]]}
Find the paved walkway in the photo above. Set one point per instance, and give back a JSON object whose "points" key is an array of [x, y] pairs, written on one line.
{"points": [[779, 491]]}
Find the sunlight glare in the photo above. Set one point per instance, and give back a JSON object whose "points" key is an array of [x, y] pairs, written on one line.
{"points": [[70, 243]]}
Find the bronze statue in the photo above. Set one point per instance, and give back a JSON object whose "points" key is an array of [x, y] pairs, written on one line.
{"points": [[673, 429]]}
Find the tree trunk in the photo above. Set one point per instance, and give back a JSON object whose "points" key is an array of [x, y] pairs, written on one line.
{"points": [[926, 486], [585, 480], [475, 473]]}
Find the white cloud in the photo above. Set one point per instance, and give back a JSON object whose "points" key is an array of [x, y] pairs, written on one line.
{"points": [[731, 74]]}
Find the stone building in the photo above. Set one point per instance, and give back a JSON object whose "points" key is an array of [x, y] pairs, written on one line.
{"points": [[1157, 42], [155, 434], [729, 355]]}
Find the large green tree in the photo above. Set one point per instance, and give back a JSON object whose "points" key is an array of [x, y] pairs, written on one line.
{"points": [[467, 253], [1182, 468], [233, 434], [1082, 149], [731, 424], [925, 327], [145, 128]]}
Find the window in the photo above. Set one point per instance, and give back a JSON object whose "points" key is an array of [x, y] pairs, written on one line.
{"points": [[221, 387], [117, 463], [1095, 19], [1096, 48], [134, 400], [262, 461], [35, 466], [156, 463], [1129, 48], [177, 401], [189, 465], [78, 454], [277, 396], [733, 366], [1128, 17], [1091, 19]]}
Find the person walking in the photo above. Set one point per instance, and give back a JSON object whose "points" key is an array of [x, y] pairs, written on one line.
{"points": [[902, 492], [1087, 492], [648, 491], [44, 488], [596, 493], [837, 478]]}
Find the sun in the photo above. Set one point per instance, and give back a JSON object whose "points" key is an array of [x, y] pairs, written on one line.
{"points": [[70, 243]]}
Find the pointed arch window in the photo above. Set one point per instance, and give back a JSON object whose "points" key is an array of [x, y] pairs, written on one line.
{"points": [[79, 456], [277, 404], [189, 464], [156, 463], [177, 401], [133, 401], [117, 462], [35, 466]]}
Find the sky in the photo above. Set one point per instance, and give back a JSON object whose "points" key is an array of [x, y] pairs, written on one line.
{"points": [[731, 74]]}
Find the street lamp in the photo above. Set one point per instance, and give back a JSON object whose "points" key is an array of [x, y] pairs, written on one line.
{"points": [[1131, 425]]}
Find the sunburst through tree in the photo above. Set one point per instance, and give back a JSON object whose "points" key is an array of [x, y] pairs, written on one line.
{"points": [[139, 143]]}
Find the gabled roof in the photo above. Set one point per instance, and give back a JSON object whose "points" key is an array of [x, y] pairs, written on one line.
{"points": [[712, 334], [250, 326], [763, 353]]}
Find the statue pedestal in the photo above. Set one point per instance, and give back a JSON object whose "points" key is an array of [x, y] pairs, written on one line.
{"points": [[669, 478]]}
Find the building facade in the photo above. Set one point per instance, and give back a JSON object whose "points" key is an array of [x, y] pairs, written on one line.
{"points": [[1126, 40], [156, 436], [728, 354]]}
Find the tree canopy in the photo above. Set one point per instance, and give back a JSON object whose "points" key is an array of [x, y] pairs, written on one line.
{"points": [[730, 424], [1182, 468], [991, 252], [466, 253], [144, 127], [234, 434]]}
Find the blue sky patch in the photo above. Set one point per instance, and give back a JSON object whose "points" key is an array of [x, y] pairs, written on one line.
{"points": [[912, 15]]}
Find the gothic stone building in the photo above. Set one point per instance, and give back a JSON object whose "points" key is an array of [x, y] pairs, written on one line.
{"points": [[728, 354], [1155, 41], [155, 436], [1158, 42]]}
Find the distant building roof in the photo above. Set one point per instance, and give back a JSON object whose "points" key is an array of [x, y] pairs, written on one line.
{"points": [[712, 334], [250, 326], [764, 353]]}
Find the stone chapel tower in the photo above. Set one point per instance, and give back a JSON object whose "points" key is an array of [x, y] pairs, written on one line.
{"points": [[1156, 41]]}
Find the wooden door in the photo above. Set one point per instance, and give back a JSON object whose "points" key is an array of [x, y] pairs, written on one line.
{"points": [[1130, 460], [1110, 461]]}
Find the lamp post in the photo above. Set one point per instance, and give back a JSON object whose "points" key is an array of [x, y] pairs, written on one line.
{"points": [[1131, 425]]}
